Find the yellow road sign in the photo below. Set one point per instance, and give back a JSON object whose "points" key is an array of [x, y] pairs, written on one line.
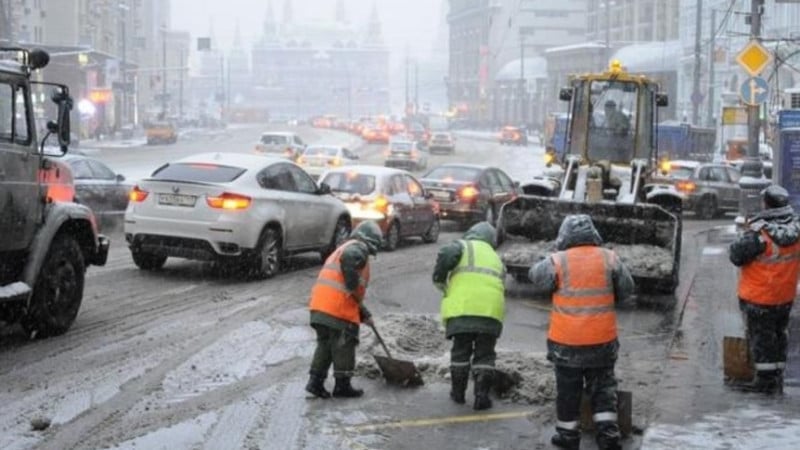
{"points": [[754, 58], [734, 115]]}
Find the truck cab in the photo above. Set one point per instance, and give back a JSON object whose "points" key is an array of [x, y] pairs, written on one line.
{"points": [[46, 243]]}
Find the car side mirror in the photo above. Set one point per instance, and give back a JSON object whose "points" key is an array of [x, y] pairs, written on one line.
{"points": [[62, 98], [428, 195], [120, 178], [565, 94], [324, 189]]}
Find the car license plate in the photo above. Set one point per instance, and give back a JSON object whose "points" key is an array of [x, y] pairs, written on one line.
{"points": [[176, 199], [441, 195]]}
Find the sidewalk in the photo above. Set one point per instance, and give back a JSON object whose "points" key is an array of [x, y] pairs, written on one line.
{"points": [[694, 409]]}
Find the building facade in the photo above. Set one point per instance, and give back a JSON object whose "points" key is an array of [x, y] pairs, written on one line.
{"points": [[320, 68], [632, 21]]}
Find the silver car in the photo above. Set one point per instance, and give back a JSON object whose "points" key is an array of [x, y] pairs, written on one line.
{"points": [[277, 143], [249, 209]]}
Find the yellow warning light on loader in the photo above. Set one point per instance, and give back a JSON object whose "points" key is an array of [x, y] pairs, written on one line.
{"points": [[615, 66], [665, 166]]}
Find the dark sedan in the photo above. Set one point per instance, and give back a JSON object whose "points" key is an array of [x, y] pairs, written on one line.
{"points": [[469, 193], [98, 187]]}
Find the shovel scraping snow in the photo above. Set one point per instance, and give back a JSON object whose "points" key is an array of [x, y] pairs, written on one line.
{"points": [[396, 371]]}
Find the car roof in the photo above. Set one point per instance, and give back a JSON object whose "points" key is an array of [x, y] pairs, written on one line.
{"points": [[378, 171], [244, 160], [464, 166], [685, 163]]}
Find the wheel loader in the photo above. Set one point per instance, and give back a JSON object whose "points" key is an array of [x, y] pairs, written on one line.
{"points": [[605, 171]]}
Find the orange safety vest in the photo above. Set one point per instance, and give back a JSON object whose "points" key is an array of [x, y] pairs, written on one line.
{"points": [[771, 278], [329, 294], [583, 303]]}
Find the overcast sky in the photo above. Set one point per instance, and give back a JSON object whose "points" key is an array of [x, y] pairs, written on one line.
{"points": [[405, 22]]}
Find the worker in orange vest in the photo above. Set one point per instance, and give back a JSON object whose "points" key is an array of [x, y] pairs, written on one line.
{"points": [[585, 281], [768, 253], [337, 309]]}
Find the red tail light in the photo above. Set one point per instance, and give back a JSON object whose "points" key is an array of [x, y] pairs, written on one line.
{"points": [[686, 186], [468, 192], [137, 195], [229, 201]]}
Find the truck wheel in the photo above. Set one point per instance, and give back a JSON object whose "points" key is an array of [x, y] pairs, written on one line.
{"points": [[58, 290], [148, 261]]}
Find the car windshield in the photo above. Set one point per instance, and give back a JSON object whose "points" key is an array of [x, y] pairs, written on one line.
{"points": [[681, 173], [402, 147], [453, 174], [611, 130], [274, 139], [350, 182], [321, 151], [198, 172]]}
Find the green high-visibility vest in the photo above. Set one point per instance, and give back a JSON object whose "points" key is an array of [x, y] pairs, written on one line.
{"points": [[475, 286]]}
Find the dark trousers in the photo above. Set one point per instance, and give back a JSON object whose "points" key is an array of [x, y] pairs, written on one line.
{"points": [[334, 347], [601, 385], [767, 336], [474, 350]]}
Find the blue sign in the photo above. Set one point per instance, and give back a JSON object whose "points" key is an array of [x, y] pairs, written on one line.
{"points": [[754, 91], [789, 118], [789, 175]]}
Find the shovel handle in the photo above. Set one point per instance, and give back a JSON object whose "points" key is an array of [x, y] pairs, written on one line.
{"points": [[380, 339]]}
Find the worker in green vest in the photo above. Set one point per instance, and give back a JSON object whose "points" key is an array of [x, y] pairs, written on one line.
{"points": [[470, 275]]}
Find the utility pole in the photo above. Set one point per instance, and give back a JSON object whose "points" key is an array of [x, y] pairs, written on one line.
{"points": [[416, 87], [698, 35], [164, 74], [752, 180], [124, 9], [608, 33], [405, 105], [180, 87], [712, 47], [522, 107]]}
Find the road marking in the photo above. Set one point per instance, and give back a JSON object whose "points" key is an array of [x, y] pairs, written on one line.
{"points": [[450, 420], [712, 251]]}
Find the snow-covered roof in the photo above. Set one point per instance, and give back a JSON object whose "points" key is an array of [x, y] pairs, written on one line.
{"points": [[581, 46], [535, 67], [656, 56]]}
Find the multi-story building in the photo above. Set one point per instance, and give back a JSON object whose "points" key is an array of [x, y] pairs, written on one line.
{"points": [[300, 70], [496, 54], [632, 21], [731, 33], [22, 21]]}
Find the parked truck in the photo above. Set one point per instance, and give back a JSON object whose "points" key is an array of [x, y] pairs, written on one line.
{"points": [[607, 173], [684, 141], [46, 241]]}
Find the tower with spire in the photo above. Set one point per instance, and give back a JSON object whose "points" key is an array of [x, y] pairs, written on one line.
{"points": [[374, 34], [270, 27]]}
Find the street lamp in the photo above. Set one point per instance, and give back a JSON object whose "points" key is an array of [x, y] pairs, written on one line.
{"points": [[124, 16]]}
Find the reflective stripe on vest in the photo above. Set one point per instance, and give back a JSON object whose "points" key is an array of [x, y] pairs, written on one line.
{"points": [[583, 304], [330, 294], [771, 278], [475, 287]]}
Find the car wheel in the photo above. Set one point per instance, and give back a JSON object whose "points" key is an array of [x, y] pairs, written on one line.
{"points": [[267, 260], [58, 290], [432, 235], [707, 208], [392, 237], [340, 234], [148, 261]]}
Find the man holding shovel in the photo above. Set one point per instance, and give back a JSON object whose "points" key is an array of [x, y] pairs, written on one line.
{"points": [[470, 275], [768, 253], [337, 309], [585, 281]]}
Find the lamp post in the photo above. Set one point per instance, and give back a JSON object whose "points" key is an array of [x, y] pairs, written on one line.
{"points": [[124, 14]]}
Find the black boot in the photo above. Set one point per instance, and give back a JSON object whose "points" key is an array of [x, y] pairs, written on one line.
{"points": [[316, 386], [570, 440], [483, 383], [765, 381], [344, 389], [608, 436], [459, 378]]}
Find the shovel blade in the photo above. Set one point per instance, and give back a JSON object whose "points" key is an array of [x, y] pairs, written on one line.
{"points": [[399, 372]]}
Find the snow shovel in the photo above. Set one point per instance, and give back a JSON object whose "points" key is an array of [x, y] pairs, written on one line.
{"points": [[396, 371]]}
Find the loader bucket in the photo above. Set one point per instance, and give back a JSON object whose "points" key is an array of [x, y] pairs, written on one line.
{"points": [[646, 237]]}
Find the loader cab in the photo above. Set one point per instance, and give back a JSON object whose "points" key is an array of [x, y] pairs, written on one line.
{"points": [[613, 116]]}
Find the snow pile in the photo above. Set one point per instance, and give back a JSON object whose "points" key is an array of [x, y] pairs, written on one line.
{"points": [[521, 377]]}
